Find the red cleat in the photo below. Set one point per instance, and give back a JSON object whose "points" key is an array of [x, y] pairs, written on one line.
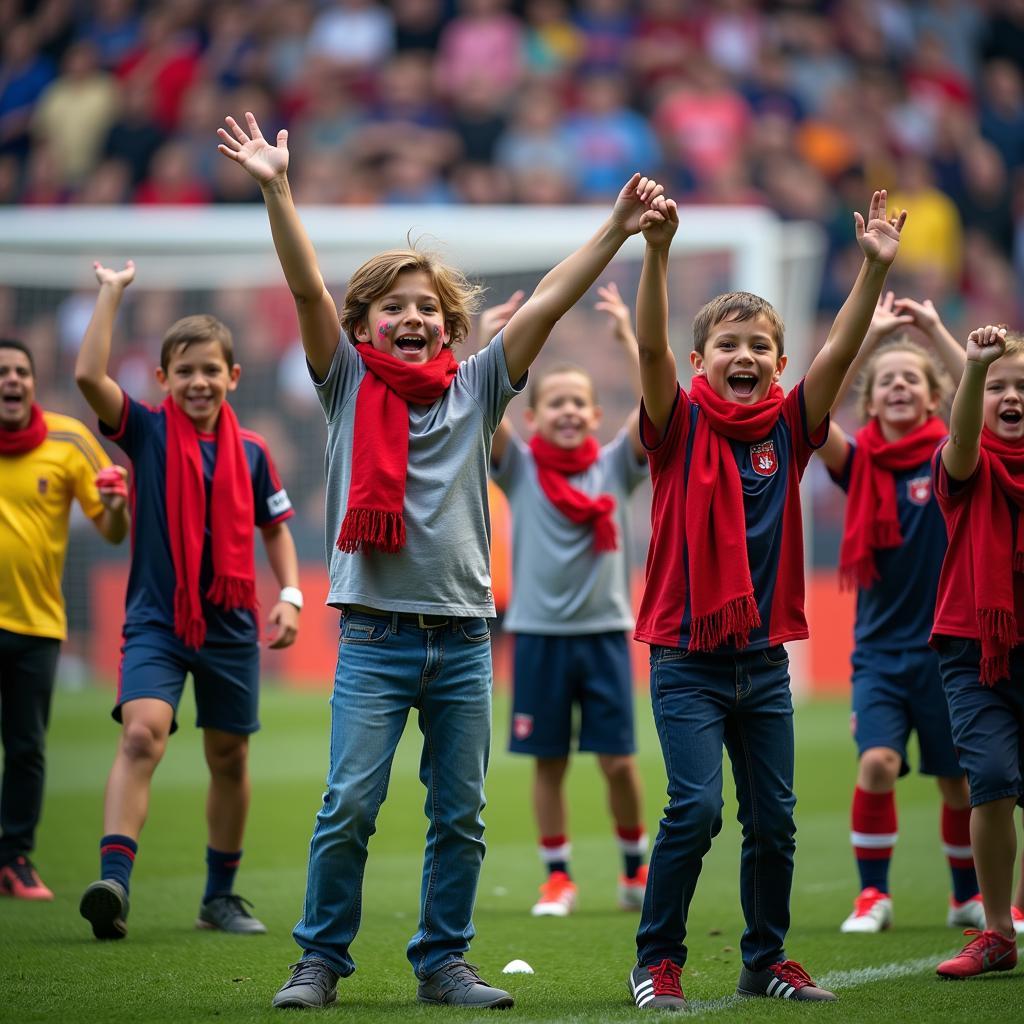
{"points": [[21, 880], [987, 951]]}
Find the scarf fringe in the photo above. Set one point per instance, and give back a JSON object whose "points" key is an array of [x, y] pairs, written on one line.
{"points": [[228, 592], [372, 528], [733, 621], [997, 629], [191, 629], [860, 575]]}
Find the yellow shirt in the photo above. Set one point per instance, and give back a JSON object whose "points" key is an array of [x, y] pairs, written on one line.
{"points": [[35, 504]]}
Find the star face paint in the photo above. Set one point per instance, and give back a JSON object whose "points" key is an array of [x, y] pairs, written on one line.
{"points": [[383, 328]]}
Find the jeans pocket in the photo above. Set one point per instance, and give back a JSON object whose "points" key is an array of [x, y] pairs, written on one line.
{"points": [[776, 655], [660, 655], [475, 631], [356, 629], [953, 647]]}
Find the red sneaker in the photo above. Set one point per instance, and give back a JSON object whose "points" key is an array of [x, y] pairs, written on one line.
{"points": [[21, 880], [557, 896], [987, 951]]}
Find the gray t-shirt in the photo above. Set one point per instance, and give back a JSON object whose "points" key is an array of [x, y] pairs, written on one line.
{"points": [[445, 566], [561, 586]]}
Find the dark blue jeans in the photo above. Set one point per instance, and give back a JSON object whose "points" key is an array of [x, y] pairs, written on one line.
{"points": [[702, 701]]}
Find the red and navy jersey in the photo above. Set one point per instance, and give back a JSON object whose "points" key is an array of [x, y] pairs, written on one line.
{"points": [[149, 602], [895, 613], [767, 469]]}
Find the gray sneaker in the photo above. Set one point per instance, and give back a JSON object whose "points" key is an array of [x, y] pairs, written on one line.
{"points": [[458, 984], [312, 984], [785, 980], [105, 906], [227, 913]]}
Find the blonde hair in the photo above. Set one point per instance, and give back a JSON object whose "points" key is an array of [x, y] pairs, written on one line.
{"points": [[1014, 344], [738, 306], [376, 277], [938, 383], [191, 330], [537, 378]]}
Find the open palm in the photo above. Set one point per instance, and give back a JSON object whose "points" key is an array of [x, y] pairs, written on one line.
{"points": [[107, 275], [262, 160], [879, 238]]}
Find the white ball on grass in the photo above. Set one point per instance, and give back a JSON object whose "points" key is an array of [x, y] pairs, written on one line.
{"points": [[517, 967]]}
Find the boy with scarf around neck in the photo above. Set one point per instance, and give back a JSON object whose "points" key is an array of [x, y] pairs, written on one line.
{"points": [[408, 442], [979, 623], [894, 541], [724, 591], [200, 487], [570, 609], [47, 461]]}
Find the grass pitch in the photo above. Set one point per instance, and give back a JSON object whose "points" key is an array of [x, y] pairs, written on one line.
{"points": [[52, 970]]}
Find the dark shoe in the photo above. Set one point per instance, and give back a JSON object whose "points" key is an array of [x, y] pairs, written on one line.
{"points": [[227, 913], [785, 980], [105, 906], [312, 984], [657, 987], [20, 879], [458, 984]]}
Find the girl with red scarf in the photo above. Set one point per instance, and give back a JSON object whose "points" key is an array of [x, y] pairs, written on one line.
{"points": [[408, 440], [724, 591], [893, 543], [979, 622]]}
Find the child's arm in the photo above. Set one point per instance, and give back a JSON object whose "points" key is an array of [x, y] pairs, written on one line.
{"points": [[926, 318], [284, 616], [960, 452], [879, 239], [622, 326], [561, 288], [101, 391], [657, 363], [318, 316]]}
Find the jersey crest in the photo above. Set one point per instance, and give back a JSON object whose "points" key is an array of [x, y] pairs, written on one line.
{"points": [[522, 726], [763, 458], [42, 485], [919, 490]]}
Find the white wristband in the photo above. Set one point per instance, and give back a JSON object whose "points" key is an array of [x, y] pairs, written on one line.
{"points": [[292, 595]]}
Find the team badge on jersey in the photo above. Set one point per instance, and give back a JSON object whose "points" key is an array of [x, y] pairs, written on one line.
{"points": [[522, 726], [42, 485], [919, 490], [762, 458]]}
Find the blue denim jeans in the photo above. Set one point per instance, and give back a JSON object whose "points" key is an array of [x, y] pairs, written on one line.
{"points": [[702, 701], [386, 667]]}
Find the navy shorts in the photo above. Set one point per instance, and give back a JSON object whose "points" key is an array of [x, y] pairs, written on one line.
{"points": [[988, 721], [553, 674], [226, 679], [896, 692]]}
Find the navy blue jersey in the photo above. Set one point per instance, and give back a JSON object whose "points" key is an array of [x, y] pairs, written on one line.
{"points": [[149, 602], [896, 611]]}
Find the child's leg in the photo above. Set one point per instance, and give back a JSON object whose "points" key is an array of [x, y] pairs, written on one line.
{"points": [[691, 694], [873, 821], [956, 836], [550, 810], [994, 840], [227, 806], [1018, 896], [625, 800], [759, 739]]}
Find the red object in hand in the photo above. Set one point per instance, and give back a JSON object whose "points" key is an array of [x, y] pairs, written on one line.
{"points": [[112, 480]]}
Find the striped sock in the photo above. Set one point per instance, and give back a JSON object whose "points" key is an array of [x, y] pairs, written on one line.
{"points": [[554, 851], [956, 845], [633, 844], [873, 833], [117, 857], [221, 869]]}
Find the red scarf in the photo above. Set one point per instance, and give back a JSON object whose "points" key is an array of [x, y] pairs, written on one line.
{"points": [[231, 521], [18, 442], [554, 466], [872, 516], [995, 554], [723, 607], [380, 444]]}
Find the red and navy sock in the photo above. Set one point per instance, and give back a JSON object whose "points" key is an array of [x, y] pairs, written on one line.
{"points": [[554, 851], [873, 833], [117, 857], [221, 869], [633, 844], [956, 844]]}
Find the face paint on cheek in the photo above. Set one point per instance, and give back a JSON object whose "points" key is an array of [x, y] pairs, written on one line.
{"points": [[383, 328], [438, 333]]}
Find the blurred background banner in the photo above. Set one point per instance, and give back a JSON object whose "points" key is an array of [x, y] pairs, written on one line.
{"points": [[497, 132]]}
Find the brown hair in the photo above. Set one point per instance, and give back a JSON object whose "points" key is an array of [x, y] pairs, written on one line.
{"points": [[537, 378], [191, 330], [938, 383], [376, 277], [1014, 344], [738, 306]]}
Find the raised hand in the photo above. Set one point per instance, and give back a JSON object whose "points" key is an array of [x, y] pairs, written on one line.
{"points": [[118, 278], [986, 344], [659, 223], [612, 304], [879, 238], [923, 315], [262, 160], [886, 319], [633, 201], [493, 319]]}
